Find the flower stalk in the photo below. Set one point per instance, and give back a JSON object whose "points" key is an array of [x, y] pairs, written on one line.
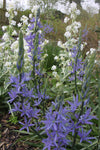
{"points": [[20, 61]]}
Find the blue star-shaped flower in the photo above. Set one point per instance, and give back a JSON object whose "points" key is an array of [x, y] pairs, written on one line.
{"points": [[84, 136], [26, 125]]}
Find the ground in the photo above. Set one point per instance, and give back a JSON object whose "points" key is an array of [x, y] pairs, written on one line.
{"points": [[8, 136]]}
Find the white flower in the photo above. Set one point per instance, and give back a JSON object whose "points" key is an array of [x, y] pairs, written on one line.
{"points": [[14, 45], [7, 14], [14, 33], [81, 47], [46, 41], [78, 24], [13, 22], [46, 55], [24, 19], [2, 45], [73, 6], [26, 47], [68, 62], [87, 53], [70, 54], [67, 34], [59, 43], [67, 8], [68, 28], [8, 64], [66, 44], [73, 16], [15, 12], [11, 5], [91, 7], [14, 62], [75, 29], [77, 12], [62, 58], [68, 12], [19, 24], [5, 37], [29, 25], [40, 31], [4, 28], [17, 38], [56, 57], [25, 22], [58, 84], [0, 55], [73, 40], [42, 44], [54, 73], [92, 50], [66, 19], [16, 51], [95, 61], [53, 67], [30, 15], [34, 9], [85, 43]]}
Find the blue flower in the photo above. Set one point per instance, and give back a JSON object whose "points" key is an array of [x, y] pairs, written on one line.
{"points": [[17, 106], [77, 65], [87, 117], [13, 95], [75, 104], [84, 136], [50, 122], [27, 93], [48, 28], [56, 127], [48, 144], [26, 125], [25, 109]]}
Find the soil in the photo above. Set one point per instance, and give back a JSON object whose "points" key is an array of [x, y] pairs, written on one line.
{"points": [[8, 136]]}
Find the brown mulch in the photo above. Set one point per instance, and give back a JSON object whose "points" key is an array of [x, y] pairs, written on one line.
{"points": [[8, 136]]}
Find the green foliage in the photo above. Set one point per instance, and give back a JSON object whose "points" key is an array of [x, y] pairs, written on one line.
{"points": [[13, 119], [51, 50], [4, 85], [52, 15], [20, 14], [1, 32], [30, 138], [3, 90]]}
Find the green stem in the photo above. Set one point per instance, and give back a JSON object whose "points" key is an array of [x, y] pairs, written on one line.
{"points": [[36, 132], [99, 109], [76, 90], [76, 131]]}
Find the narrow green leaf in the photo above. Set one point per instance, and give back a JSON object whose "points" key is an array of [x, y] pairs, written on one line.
{"points": [[91, 145]]}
